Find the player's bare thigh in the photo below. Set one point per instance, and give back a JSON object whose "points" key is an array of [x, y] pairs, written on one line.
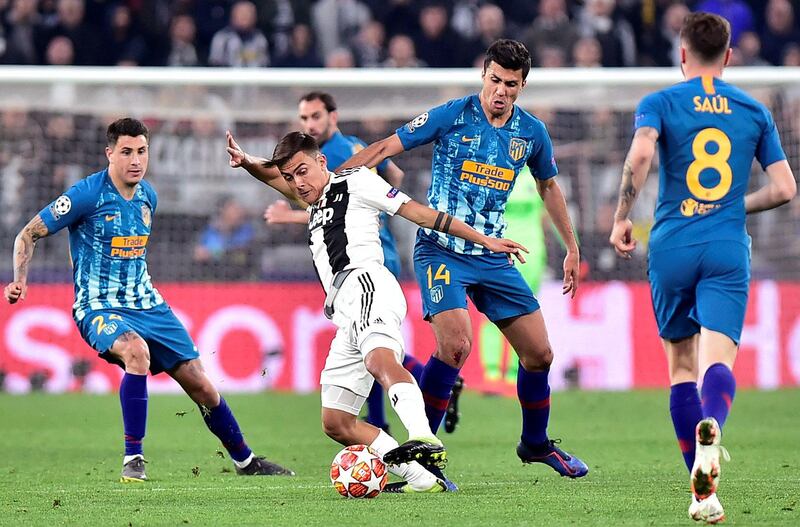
{"points": [[453, 331], [133, 351], [527, 334]]}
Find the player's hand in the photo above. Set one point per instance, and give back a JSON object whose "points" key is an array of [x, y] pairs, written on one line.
{"points": [[572, 265], [622, 238], [238, 156], [278, 212], [15, 291], [503, 245]]}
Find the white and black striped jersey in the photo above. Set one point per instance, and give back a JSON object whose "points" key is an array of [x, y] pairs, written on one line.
{"points": [[344, 223]]}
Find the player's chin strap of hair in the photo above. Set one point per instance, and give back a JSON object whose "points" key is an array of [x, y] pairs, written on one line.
{"points": [[442, 223]]}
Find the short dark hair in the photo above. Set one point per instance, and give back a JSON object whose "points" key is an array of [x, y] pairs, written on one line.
{"points": [[707, 35], [325, 97], [510, 54], [126, 126], [289, 145]]}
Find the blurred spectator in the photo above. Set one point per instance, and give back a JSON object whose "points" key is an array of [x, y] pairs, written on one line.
{"points": [[491, 25], [21, 153], [402, 53], [60, 52], [587, 53], [779, 32], [749, 50], [552, 57], [225, 247], [737, 12], [552, 29], [182, 50], [19, 24], [791, 55], [465, 13], [69, 23], [124, 41], [337, 22], [368, 46], [240, 44], [301, 53], [663, 47], [340, 58], [277, 20], [436, 43], [614, 34], [397, 16]]}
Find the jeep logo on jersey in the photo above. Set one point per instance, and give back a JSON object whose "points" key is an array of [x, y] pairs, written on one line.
{"points": [[516, 148], [437, 293], [417, 122], [146, 217], [320, 217]]}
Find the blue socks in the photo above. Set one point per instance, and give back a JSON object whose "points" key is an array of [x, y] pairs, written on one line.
{"points": [[719, 388], [222, 424], [133, 399], [684, 406], [376, 411], [436, 383], [533, 391], [414, 367]]}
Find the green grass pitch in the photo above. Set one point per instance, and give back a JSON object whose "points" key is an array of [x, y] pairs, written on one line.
{"points": [[60, 460]]}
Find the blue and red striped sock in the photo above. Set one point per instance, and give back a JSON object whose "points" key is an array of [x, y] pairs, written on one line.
{"points": [[414, 367], [719, 388], [533, 391], [376, 410], [222, 423], [436, 383], [684, 407], [133, 399]]}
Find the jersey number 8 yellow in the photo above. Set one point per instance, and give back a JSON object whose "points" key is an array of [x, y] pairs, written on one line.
{"points": [[717, 161]]}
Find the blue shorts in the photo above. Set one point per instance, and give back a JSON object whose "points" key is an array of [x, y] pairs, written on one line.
{"points": [[167, 339], [446, 278], [703, 285]]}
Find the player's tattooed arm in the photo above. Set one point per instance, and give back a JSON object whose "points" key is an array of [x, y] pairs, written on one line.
{"points": [[634, 174], [440, 221], [23, 254], [374, 154]]}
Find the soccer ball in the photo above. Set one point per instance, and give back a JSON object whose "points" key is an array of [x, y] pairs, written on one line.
{"points": [[358, 471]]}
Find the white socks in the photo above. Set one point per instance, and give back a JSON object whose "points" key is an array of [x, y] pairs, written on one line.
{"points": [[242, 464], [127, 459], [406, 399], [413, 473]]}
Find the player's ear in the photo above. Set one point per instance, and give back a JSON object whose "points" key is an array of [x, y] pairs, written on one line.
{"points": [[323, 161], [683, 55], [334, 118], [728, 55], [108, 153]]}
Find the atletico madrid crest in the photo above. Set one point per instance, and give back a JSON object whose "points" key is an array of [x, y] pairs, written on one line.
{"points": [[516, 148], [146, 218]]}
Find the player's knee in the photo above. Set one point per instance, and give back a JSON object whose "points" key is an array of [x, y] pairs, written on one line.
{"points": [[135, 353], [454, 350], [339, 428], [536, 360]]}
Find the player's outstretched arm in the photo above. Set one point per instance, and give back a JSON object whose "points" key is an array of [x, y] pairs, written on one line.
{"points": [[439, 221], [779, 191], [255, 167], [23, 253], [556, 206], [634, 174], [374, 154], [280, 212]]}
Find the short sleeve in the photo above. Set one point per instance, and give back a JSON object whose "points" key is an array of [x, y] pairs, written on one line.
{"points": [[430, 125], [375, 192], [648, 113], [769, 148], [69, 208], [542, 161]]}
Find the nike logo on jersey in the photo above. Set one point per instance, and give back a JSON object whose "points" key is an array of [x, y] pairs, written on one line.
{"points": [[466, 139], [110, 217]]}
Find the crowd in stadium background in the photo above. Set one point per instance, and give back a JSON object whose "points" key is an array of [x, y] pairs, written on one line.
{"points": [[379, 33], [44, 152]]}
